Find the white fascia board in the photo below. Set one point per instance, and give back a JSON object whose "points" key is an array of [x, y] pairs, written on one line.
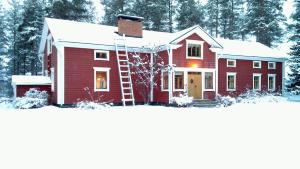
{"points": [[257, 58], [44, 37], [199, 31], [60, 87]]}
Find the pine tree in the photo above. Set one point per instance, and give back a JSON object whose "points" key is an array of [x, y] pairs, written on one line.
{"points": [[143, 8], [30, 30], [213, 13], [231, 18], [14, 21], [263, 20], [77, 10], [190, 13], [159, 15], [3, 53], [114, 7], [294, 61]]}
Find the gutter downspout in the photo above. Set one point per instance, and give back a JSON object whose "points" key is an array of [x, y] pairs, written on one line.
{"points": [[151, 78]]}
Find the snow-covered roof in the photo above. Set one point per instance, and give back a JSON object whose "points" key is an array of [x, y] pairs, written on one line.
{"points": [[251, 49], [30, 80], [88, 33]]}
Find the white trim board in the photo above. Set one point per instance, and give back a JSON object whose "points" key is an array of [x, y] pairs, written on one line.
{"points": [[257, 58], [102, 69]]}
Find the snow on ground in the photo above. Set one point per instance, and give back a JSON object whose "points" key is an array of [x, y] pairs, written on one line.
{"points": [[262, 135]]}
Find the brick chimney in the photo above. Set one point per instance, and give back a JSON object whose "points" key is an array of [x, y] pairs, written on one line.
{"points": [[130, 25]]}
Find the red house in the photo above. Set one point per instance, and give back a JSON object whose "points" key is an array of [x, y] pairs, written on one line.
{"points": [[79, 56]]}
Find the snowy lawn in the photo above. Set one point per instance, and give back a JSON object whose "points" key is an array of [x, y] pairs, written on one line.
{"points": [[254, 136]]}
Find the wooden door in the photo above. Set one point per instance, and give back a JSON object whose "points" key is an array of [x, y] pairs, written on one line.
{"points": [[195, 85]]}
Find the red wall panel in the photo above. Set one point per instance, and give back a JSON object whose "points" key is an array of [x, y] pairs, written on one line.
{"points": [[245, 70]]}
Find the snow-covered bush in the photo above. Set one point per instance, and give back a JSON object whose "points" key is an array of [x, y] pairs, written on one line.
{"points": [[5, 102], [182, 100], [254, 97], [89, 105], [225, 101], [33, 99]]}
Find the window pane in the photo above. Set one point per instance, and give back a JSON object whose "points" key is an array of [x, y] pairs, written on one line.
{"points": [[209, 80], [231, 82], [256, 82], [101, 55], [178, 80], [271, 83], [101, 80], [165, 81], [231, 63], [194, 50]]}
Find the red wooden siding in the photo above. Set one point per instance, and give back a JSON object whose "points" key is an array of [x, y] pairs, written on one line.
{"points": [[244, 75], [180, 60], [22, 89]]}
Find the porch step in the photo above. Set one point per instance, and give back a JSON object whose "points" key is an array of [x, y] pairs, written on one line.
{"points": [[205, 103]]}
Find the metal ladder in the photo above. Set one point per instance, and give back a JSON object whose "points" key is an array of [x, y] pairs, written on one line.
{"points": [[124, 71]]}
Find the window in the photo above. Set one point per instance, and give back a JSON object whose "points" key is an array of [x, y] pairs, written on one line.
{"points": [[256, 64], [101, 55], [231, 63], [231, 81], [271, 65], [179, 81], [101, 79], [52, 79], [49, 45], [256, 81], [271, 82], [194, 49], [164, 81], [209, 82]]}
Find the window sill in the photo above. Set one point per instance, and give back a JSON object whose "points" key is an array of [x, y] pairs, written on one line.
{"points": [[191, 57], [101, 90], [102, 59], [209, 90], [231, 90]]}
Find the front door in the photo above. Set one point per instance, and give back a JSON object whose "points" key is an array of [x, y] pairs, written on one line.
{"points": [[195, 85]]}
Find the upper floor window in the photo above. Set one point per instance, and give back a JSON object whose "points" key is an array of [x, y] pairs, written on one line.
{"points": [[231, 63], [271, 65], [194, 49], [256, 64], [49, 44], [101, 55]]}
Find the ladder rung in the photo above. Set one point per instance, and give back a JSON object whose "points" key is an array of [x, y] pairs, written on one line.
{"points": [[126, 82], [124, 71], [127, 88], [124, 66], [127, 94], [127, 100], [123, 60], [124, 76], [121, 54]]}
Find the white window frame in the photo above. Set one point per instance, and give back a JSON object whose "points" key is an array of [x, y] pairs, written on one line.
{"points": [[256, 62], [194, 42], [213, 89], [52, 77], [162, 80], [184, 81], [101, 69], [231, 74], [274, 63], [274, 85], [49, 44], [101, 51], [254, 75], [232, 60]]}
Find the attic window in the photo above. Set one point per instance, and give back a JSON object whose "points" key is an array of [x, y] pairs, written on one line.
{"points": [[194, 49], [101, 55], [256, 64], [271, 65]]}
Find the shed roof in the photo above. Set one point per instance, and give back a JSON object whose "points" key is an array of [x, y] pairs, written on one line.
{"points": [[30, 80]]}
